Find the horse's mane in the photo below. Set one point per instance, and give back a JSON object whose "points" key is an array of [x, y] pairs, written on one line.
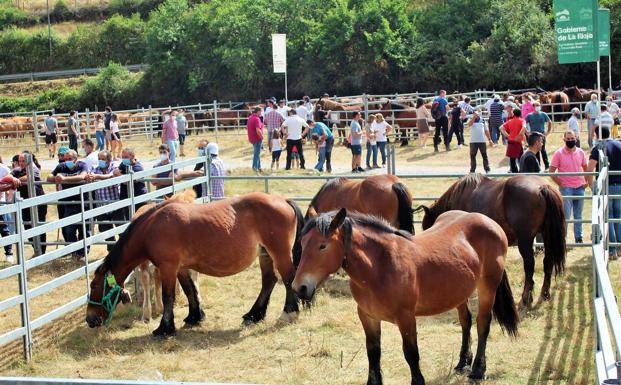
{"points": [[323, 221], [141, 214], [398, 106], [466, 183], [329, 185]]}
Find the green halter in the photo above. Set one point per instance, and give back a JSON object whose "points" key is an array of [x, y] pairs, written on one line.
{"points": [[110, 300]]}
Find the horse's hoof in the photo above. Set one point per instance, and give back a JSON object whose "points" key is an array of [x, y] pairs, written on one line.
{"points": [[251, 319], [164, 332], [288, 317], [146, 320], [461, 368], [477, 376], [545, 296]]}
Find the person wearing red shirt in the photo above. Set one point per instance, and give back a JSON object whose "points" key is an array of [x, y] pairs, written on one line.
{"points": [[513, 129], [255, 137]]}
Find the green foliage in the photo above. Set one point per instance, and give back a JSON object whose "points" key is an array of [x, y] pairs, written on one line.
{"points": [[61, 11], [11, 16], [113, 86]]}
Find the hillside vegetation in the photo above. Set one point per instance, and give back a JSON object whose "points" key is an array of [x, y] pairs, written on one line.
{"points": [[222, 49]]}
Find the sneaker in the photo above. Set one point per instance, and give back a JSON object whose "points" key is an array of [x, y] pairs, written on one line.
{"points": [[579, 240], [354, 171], [360, 169], [376, 166], [612, 256]]}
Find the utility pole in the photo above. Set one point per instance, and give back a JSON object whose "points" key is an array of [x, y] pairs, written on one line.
{"points": [[49, 30]]}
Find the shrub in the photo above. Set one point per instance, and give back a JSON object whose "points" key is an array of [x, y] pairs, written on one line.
{"points": [[11, 16], [61, 12]]}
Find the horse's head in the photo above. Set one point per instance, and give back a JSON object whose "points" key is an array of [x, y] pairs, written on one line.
{"points": [[429, 218], [323, 251], [105, 294]]}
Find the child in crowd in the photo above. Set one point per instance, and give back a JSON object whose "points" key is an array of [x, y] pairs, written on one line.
{"points": [[320, 148], [276, 144]]}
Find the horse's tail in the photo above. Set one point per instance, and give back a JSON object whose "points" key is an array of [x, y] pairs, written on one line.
{"points": [[297, 245], [504, 307], [554, 229], [405, 213]]}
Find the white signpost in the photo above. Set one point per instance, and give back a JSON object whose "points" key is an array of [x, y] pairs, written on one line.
{"points": [[279, 55]]}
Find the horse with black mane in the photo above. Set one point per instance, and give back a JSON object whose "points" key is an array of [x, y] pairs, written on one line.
{"points": [[523, 206], [404, 116], [218, 239], [396, 277], [380, 195]]}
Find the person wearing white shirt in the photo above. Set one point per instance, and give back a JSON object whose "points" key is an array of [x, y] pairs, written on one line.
{"points": [[302, 112], [92, 156], [615, 112], [381, 128], [296, 128], [283, 109], [573, 124], [309, 107]]}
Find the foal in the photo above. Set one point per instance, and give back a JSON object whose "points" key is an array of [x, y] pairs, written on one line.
{"points": [[395, 277]]}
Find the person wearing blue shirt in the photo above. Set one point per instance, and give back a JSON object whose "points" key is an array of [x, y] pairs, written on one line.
{"points": [[440, 103], [325, 134]]}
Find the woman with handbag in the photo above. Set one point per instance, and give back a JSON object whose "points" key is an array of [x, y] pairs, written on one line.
{"points": [[514, 129]]}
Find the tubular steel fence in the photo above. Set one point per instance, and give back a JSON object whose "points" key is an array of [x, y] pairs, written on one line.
{"points": [[64, 73], [607, 322], [229, 118]]}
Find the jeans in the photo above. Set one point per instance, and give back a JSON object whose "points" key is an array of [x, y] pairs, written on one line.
{"points": [[574, 205], [101, 140], [172, 145], [614, 212], [543, 154], [256, 156], [474, 148], [295, 143], [382, 149], [441, 125], [4, 231], [329, 145], [73, 142], [322, 159], [371, 148], [590, 124], [458, 129]]}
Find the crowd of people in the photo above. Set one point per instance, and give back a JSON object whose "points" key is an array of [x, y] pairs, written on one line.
{"points": [[97, 164]]}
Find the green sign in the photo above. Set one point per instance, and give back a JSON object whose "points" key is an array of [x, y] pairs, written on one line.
{"points": [[576, 30], [604, 32]]}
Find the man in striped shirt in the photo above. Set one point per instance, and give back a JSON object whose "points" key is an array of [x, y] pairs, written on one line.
{"points": [[495, 118], [273, 120]]}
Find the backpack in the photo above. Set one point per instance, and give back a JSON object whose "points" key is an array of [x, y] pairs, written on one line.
{"points": [[435, 110]]}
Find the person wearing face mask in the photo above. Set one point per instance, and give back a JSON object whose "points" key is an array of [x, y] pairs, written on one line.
{"points": [[478, 133], [591, 109], [70, 174], [91, 158], [106, 195], [129, 161], [570, 159], [164, 151], [538, 121]]}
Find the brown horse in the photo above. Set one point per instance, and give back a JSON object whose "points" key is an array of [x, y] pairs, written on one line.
{"points": [[559, 98], [405, 117], [395, 277], [380, 195], [328, 105], [523, 206], [218, 239]]}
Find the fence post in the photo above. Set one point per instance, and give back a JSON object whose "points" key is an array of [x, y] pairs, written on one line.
{"points": [[150, 124], [35, 130], [365, 101], [205, 189], [393, 152], [130, 193], [208, 173], [215, 117], [23, 280], [32, 192], [388, 163], [86, 235], [144, 122], [88, 123]]}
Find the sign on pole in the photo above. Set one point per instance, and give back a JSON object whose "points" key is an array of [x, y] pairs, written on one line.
{"points": [[279, 52], [576, 30], [603, 32]]}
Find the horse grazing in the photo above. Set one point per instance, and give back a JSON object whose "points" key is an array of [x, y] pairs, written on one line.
{"points": [[395, 277], [523, 206], [380, 195], [218, 239]]}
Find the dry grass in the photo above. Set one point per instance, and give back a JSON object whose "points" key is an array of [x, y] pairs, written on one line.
{"points": [[326, 346], [63, 29], [39, 6], [35, 88]]}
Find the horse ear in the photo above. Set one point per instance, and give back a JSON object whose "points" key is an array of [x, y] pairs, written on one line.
{"points": [[125, 296], [338, 219]]}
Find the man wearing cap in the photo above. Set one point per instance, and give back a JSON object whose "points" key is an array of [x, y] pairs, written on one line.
{"points": [[255, 137], [272, 119], [495, 118], [573, 124], [216, 168], [70, 173]]}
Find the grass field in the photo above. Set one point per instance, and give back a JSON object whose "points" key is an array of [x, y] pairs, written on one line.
{"points": [[326, 345]]}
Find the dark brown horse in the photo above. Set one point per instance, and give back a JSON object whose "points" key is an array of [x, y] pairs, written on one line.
{"points": [[558, 98], [395, 277], [523, 206], [404, 116], [218, 239], [380, 195]]}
